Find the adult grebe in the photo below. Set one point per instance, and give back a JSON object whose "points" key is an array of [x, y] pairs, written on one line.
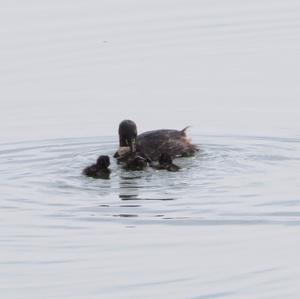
{"points": [[152, 144]]}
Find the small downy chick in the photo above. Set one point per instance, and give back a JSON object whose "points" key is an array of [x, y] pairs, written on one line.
{"points": [[99, 170], [135, 162], [165, 162]]}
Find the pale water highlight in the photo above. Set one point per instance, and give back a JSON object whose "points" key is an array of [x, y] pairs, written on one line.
{"points": [[224, 226]]}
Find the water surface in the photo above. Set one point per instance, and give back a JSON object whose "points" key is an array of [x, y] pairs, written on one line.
{"points": [[226, 225]]}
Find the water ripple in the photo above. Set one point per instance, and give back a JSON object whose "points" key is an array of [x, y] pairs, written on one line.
{"points": [[228, 182]]}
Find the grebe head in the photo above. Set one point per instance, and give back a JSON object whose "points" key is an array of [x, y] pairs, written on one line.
{"points": [[127, 134], [103, 162], [137, 163]]}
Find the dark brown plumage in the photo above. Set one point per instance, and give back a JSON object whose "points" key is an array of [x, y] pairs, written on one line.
{"points": [[173, 142], [152, 143], [99, 170], [135, 162], [166, 163]]}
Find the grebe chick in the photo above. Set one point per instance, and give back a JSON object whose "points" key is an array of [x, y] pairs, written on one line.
{"points": [[165, 162], [99, 170], [135, 162]]}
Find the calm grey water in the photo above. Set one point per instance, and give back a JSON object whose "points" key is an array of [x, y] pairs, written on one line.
{"points": [[225, 226]]}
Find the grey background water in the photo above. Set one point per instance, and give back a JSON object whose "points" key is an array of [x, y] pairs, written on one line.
{"points": [[226, 225]]}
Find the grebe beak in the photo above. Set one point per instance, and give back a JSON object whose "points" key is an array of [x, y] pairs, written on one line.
{"points": [[133, 145]]}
